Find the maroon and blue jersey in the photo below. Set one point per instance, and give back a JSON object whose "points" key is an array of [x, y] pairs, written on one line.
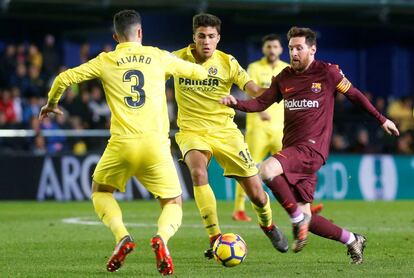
{"points": [[309, 103]]}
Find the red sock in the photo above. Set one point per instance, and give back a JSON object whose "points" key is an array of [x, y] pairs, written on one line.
{"points": [[323, 227], [281, 190]]}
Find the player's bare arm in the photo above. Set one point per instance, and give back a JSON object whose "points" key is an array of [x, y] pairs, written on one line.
{"points": [[253, 90]]}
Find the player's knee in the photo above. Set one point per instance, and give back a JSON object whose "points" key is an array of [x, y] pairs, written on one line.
{"points": [[269, 170], [97, 187], [170, 201], [259, 199], [199, 176], [257, 195], [265, 173]]}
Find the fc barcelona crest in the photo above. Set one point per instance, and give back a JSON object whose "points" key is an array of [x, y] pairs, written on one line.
{"points": [[316, 87]]}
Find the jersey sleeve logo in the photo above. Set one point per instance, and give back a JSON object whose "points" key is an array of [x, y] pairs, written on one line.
{"points": [[290, 89], [212, 70], [343, 86], [316, 88]]}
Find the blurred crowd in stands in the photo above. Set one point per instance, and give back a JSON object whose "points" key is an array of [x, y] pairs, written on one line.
{"points": [[357, 132], [26, 74], [27, 71]]}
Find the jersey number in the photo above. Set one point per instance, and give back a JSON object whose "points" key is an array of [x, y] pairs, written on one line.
{"points": [[135, 89], [245, 155]]}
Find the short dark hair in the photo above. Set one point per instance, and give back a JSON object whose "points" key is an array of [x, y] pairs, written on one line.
{"points": [[271, 37], [124, 20], [309, 34], [206, 20]]}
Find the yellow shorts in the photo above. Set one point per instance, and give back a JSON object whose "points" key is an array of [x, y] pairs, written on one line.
{"points": [[264, 141], [147, 158], [227, 146]]}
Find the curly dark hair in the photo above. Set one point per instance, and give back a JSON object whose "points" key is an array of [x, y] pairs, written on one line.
{"points": [[308, 33], [206, 20]]}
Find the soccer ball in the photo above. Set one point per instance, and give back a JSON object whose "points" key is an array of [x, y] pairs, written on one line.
{"points": [[230, 249]]}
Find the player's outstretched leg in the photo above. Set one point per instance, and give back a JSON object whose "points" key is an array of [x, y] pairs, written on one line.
{"points": [[207, 205], [300, 221], [109, 212], [355, 243], [165, 264], [125, 246], [356, 249], [277, 237], [261, 205], [168, 224], [239, 212], [300, 233]]}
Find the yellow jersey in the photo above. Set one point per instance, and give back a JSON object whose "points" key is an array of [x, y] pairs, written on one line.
{"points": [[133, 78], [261, 73], [198, 101]]}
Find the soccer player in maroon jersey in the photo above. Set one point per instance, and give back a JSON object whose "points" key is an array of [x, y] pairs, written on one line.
{"points": [[308, 88]]}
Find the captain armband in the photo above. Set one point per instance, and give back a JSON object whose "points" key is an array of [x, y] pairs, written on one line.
{"points": [[343, 86]]}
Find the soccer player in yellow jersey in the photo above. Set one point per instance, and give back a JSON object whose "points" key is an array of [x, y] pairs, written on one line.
{"points": [[133, 77], [206, 128], [264, 130]]}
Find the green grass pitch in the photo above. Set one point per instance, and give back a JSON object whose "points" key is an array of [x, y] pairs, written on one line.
{"points": [[36, 242]]}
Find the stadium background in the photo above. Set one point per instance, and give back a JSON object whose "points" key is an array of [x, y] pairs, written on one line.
{"points": [[372, 41]]}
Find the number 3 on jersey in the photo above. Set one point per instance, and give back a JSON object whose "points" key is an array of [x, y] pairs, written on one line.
{"points": [[138, 76]]}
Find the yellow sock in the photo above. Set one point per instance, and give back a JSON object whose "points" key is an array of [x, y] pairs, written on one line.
{"points": [[206, 203], [264, 214], [169, 221], [239, 198], [110, 213]]}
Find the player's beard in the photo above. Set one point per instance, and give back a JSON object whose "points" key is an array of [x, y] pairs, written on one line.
{"points": [[300, 65], [271, 58]]}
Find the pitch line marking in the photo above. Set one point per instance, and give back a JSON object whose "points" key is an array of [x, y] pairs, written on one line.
{"points": [[85, 221]]}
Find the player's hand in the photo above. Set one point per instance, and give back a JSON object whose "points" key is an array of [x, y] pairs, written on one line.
{"points": [[390, 128], [49, 108], [228, 100], [264, 116]]}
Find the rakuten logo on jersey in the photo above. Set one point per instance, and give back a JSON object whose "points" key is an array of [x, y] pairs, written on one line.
{"points": [[294, 104]]}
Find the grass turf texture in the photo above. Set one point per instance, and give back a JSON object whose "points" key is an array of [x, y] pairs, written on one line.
{"points": [[37, 243]]}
